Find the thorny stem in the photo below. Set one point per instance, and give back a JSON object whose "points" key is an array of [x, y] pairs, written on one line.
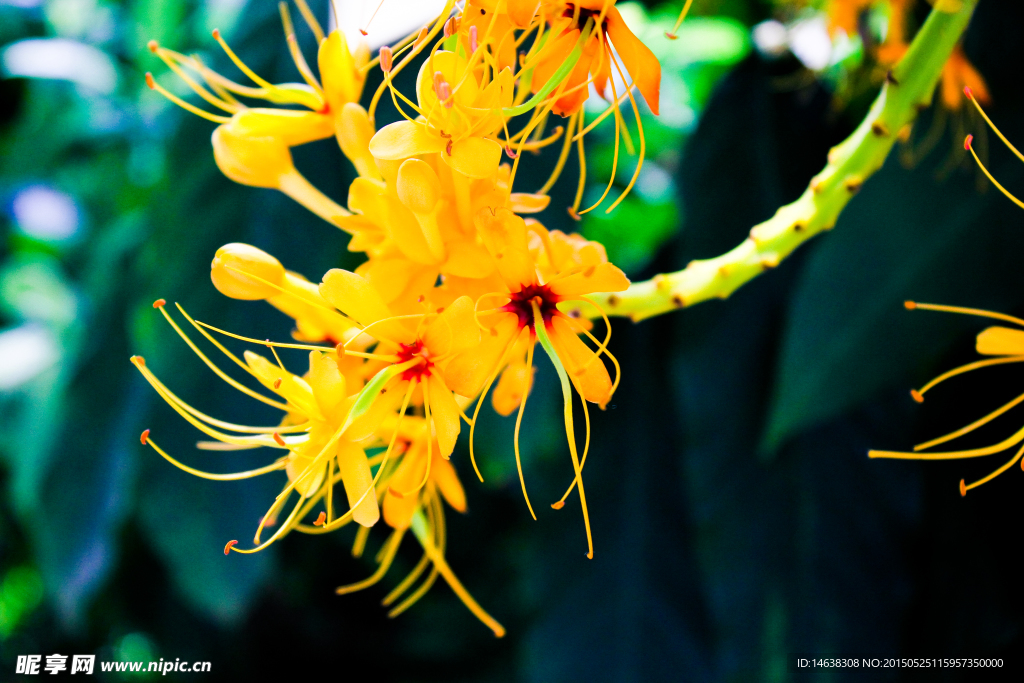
{"points": [[908, 90]]}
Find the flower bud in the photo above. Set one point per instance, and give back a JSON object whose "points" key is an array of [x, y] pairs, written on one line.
{"points": [[249, 160], [241, 271]]}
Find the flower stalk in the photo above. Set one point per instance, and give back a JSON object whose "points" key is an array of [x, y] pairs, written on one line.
{"points": [[908, 89]]}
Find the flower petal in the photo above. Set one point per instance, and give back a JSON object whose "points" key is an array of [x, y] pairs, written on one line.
{"points": [[1000, 341], [444, 413], [454, 330], [643, 67], [357, 478], [404, 139], [468, 371], [474, 157], [603, 277], [585, 368]]}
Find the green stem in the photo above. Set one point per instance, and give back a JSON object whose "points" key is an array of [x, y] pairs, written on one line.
{"points": [[908, 90]]}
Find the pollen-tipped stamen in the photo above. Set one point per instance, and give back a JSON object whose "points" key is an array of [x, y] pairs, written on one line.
{"points": [[1009, 195], [965, 488]]}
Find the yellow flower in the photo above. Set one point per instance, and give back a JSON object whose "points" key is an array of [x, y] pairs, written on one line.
{"points": [[332, 414], [1002, 345], [251, 146], [458, 117]]}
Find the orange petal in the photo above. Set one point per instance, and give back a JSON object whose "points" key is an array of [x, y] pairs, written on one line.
{"points": [[466, 259], [603, 277], [585, 369], [442, 472], [515, 381], [643, 67], [357, 298]]}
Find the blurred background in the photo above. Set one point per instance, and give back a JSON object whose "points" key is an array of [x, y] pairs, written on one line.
{"points": [[737, 518]]}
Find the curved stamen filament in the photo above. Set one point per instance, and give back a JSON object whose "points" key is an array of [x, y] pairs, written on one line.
{"points": [[217, 371], [970, 95], [981, 313], [310, 20], [966, 368], [234, 476], [671, 35], [422, 533], [240, 64], [151, 82], [953, 455], [285, 527], [293, 48], [483, 394], [971, 427], [563, 379], [390, 549], [1009, 195], [519, 419], [640, 133], [965, 488], [564, 154]]}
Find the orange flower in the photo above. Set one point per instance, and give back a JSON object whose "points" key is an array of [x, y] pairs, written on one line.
{"points": [[597, 61]]}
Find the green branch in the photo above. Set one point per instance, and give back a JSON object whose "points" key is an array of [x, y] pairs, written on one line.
{"points": [[908, 90]]}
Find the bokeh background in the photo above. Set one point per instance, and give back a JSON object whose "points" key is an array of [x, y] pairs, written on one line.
{"points": [[737, 518]]}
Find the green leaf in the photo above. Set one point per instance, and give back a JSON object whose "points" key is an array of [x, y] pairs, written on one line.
{"points": [[906, 236]]}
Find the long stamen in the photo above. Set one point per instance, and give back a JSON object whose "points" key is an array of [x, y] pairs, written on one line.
{"points": [[971, 427], [519, 419], [974, 101], [296, 53], [217, 371], [1009, 195], [170, 58], [965, 488], [640, 132], [389, 555], [234, 476], [563, 379], [435, 522], [919, 395], [671, 35], [419, 528], [240, 64], [563, 155], [311, 21], [953, 455], [480, 402], [285, 527], [153, 85], [981, 313]]}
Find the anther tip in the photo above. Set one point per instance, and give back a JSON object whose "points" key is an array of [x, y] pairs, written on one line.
{"points": [[670, 35], [159, 303], [278, 439], [320, 520], [968, 92], [138, 360], [510, 152], [363, 32], [216, 36], [558, 505], [910, 305], [228, 546], [149, 81], [575, 216], [963, 488], [153, 46], [917, 395], [967, 142], [144, 439]]}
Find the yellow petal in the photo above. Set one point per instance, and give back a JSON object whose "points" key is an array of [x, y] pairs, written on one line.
{"points": [[603, 277], [454, 330], [404, 139], [523, 202], [444, 413], [474, 157], [466, 259], [357, 478], [468, 371], [327, 383], [1001, 341]]}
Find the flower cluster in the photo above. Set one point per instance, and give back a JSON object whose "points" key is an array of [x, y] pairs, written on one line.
{"points": [[459, 285]]}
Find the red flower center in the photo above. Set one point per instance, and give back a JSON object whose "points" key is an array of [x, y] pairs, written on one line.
{"points": [[523, 300], [415, 351]]}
